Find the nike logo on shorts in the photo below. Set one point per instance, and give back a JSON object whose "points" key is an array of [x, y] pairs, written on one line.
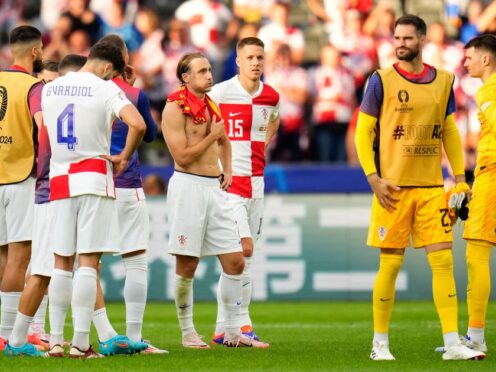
{"points": [[233, 114], [384, 299], [451, 295]]}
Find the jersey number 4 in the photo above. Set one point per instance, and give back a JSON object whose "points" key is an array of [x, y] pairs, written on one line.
{"points": [[65, 127]]}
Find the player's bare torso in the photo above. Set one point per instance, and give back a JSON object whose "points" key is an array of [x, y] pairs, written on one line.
{"points": [[207, 164]]}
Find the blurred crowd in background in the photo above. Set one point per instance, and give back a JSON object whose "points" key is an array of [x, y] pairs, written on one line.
{"points": [[319, 54]]}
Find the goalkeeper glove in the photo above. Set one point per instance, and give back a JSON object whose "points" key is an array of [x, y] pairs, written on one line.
{"points": [[458, 198]]}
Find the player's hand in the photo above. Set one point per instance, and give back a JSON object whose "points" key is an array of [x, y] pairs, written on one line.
{"points": [[225, 181], [457, 199], [119, 163], [217, 127], [383, 190], [129, 74]]}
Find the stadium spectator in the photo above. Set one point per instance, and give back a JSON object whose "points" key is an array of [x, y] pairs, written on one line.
{"points": [[252, 11], [278, 31], [359, 53], [440, 51], [154, 185], [380, 26], [116, 23], [291, 81], [213, 28], [469, 29], [177, 43], [79, 16], [230, 67], [150, 58], [79, 43], [333, 91]]}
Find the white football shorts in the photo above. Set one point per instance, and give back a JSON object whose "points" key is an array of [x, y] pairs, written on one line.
{"points": [[83, 224], [248, 214], [42, 259], [16, 211], [201, 220], [134, 223]]}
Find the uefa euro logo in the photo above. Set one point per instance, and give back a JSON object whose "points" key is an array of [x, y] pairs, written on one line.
{"points": [[403, 96]]}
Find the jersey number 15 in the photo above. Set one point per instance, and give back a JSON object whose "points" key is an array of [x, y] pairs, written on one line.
{"points": [[65, 125], [235, 128]]}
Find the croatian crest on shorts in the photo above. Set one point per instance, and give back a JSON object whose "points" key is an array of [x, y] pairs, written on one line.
{"points": [[182, 240], [382, 233]]}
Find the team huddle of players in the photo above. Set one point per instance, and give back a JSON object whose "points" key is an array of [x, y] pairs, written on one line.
{"points": [[89, 200]]}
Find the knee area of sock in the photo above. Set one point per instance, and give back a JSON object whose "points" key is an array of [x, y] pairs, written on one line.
{"points": [[86, 272], [441, 260], [138, 262], [478, 252], [391, 262]]}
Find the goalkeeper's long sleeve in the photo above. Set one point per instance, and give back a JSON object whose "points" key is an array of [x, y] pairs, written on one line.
{"points": [[453, 146], [364, 142]]}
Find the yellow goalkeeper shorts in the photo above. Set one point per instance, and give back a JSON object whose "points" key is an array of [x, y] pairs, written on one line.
{"points": [[421, 213], [481, 223]]}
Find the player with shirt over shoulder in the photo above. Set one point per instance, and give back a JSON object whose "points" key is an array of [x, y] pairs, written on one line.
{"points": [[250, 110], [79, 110], [406, 118], [201, 221]]}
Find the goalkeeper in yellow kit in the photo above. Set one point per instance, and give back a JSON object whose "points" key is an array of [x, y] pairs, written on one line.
{"points": [[405, 118], [480, 228]]}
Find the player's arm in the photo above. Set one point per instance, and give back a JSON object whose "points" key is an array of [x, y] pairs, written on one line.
{"points": [[488, 108], [453, 146], [273, 125], [364, 143], [34, 103], [226, 161], [144, 109], [173, 128], [130, 116]]}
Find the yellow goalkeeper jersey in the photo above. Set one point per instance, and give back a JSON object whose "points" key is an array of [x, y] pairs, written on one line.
{"points": [[486, 102]]}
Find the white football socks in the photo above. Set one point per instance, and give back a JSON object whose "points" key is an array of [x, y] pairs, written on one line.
{"points": [[38, 324], [19, 335], [451, 339], [476, 334], [381, 337], [59, 295], [135, 292], [102, 324], [244, 314], [10, 304], [83, 305], [230, 293], [184, 304], [221, 317]]}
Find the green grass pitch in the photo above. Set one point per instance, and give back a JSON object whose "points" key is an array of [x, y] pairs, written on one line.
{"points": [[305, 336]]}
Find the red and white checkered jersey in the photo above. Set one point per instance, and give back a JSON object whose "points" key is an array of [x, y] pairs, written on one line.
{"points": [[78, 110], [246, 119]]}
